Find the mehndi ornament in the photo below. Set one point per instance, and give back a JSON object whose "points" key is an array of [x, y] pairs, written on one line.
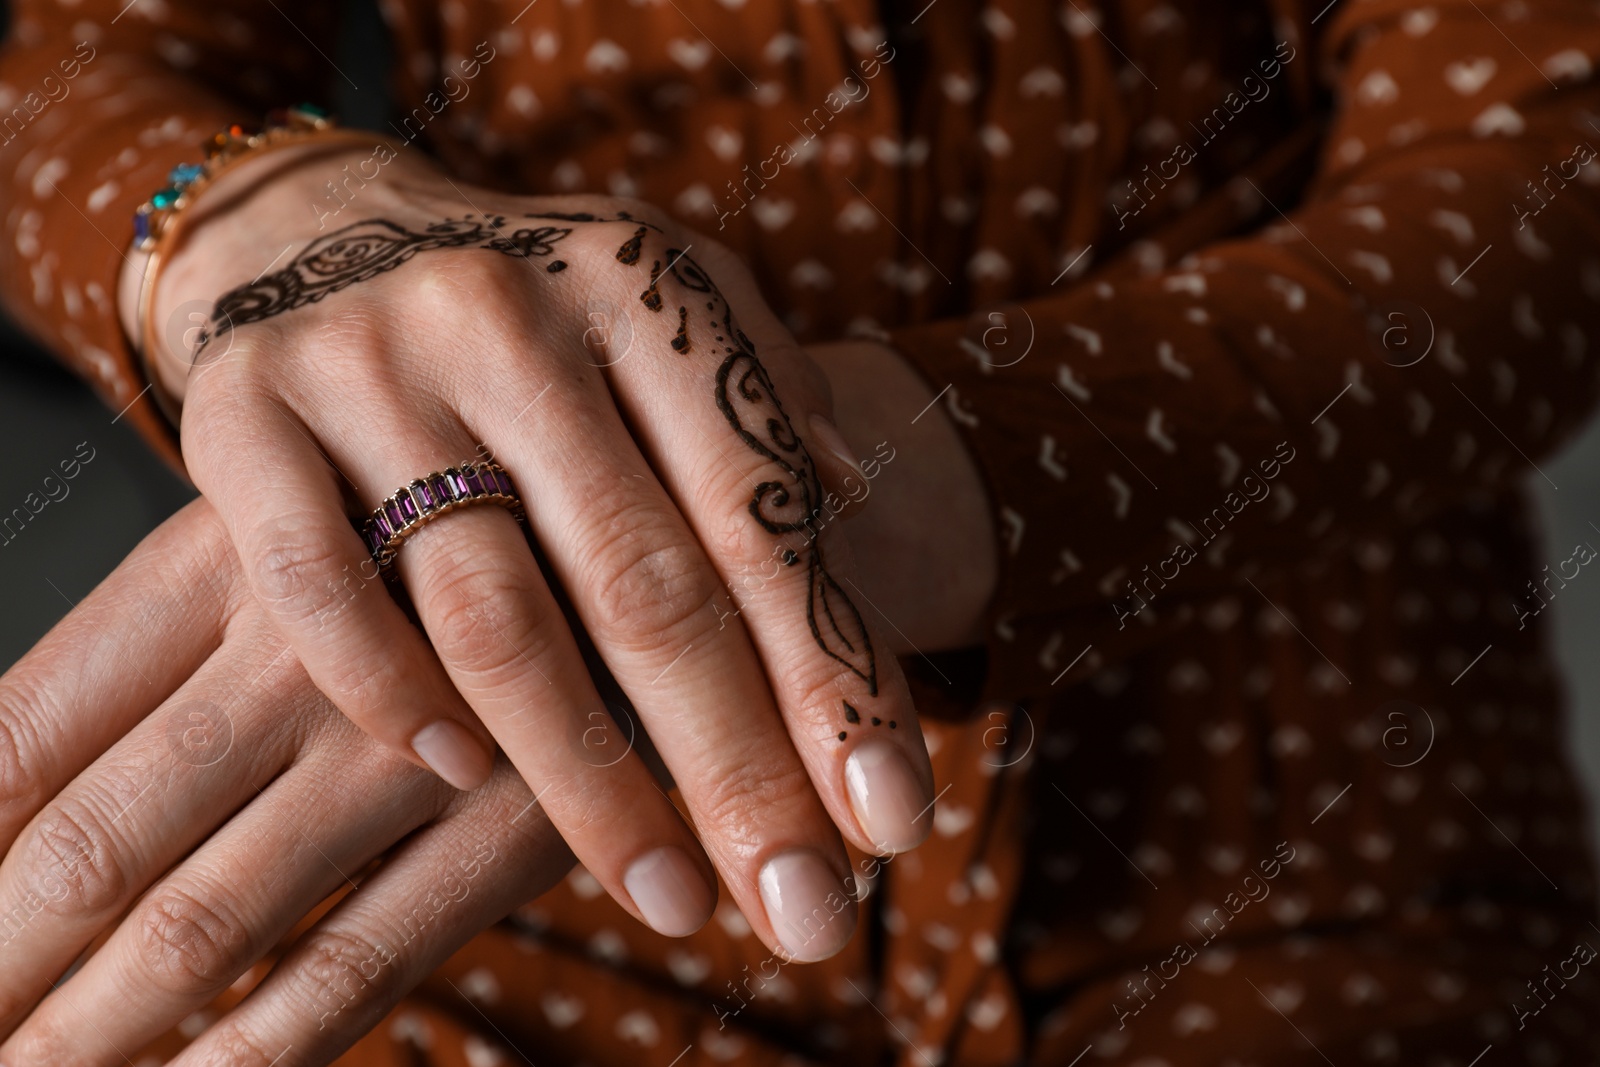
{"points": [[158, 222]]}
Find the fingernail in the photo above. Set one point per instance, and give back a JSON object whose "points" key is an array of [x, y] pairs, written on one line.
{"points": [[828, 435], [453, 754], [889, 800], [669, 891], [808, 906]]}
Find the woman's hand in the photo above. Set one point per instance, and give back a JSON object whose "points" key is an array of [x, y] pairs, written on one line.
{"points": [[163, 750], [583, 343]]}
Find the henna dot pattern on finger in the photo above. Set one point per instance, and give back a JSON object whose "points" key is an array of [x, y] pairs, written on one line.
{"points": [[629, 252], [681, 341], [790, 501], [651, 297]]}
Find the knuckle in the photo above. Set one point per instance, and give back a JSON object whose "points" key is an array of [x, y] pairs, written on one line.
{"points": [[737, 539], [44, 1041], [597, 244], [457, 282], [483, 618], [76, 857], [231, 1043], [188, 944], [346, 970], [192, 551], [736, 798], [220, 396], [215, 391], [355, 334], [814, 685], [21, 769], [653, 591], [293, 568]]}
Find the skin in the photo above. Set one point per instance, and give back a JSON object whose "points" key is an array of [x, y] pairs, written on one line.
{"points": [[169, 794], [159, 750], [163, 745], [143, 788], [638, 490]]}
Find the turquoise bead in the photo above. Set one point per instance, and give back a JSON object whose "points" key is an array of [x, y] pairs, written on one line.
{"points": [[184, 173]]}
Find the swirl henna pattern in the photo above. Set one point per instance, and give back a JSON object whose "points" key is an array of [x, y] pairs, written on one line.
{"points": [[792, 502], [358, 252], [787, 503]]}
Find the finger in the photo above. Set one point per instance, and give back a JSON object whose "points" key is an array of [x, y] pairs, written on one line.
{"points": [[646, 594], [508, 649], [309, 568], [116, 656], [239, 893], [763, 516], [135, 812], [464, 872]]}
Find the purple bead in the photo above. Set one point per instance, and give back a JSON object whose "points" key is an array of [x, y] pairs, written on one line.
{"points": [[474, 483], [380, 522], [458, 484], [407, 507], [422, 495], [441, 491], [396, 521]]}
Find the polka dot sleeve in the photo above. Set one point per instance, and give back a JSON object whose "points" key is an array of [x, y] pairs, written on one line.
{"points": [[98, 100], [1414, 326]]}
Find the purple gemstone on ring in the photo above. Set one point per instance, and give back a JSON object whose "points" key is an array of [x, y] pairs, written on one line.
{"points": [[458, 484], [407, 507], [422, 495], [380, 523], [474, 483], [440, 490], [374, 541], [393, 512], [504, 481]]}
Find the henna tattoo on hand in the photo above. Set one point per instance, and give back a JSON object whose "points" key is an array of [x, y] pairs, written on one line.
{"points": [[787, 503], [359, 252], [790, 503]]}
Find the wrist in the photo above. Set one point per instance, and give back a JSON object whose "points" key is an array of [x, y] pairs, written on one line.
{"points": [[259, 210], [926, 546]]}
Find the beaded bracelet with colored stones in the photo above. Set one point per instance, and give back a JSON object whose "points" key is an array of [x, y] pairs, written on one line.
{"points": [[187, 180]]}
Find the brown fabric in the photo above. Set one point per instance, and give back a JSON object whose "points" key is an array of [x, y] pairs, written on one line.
{"points": [[1218, 769]]}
